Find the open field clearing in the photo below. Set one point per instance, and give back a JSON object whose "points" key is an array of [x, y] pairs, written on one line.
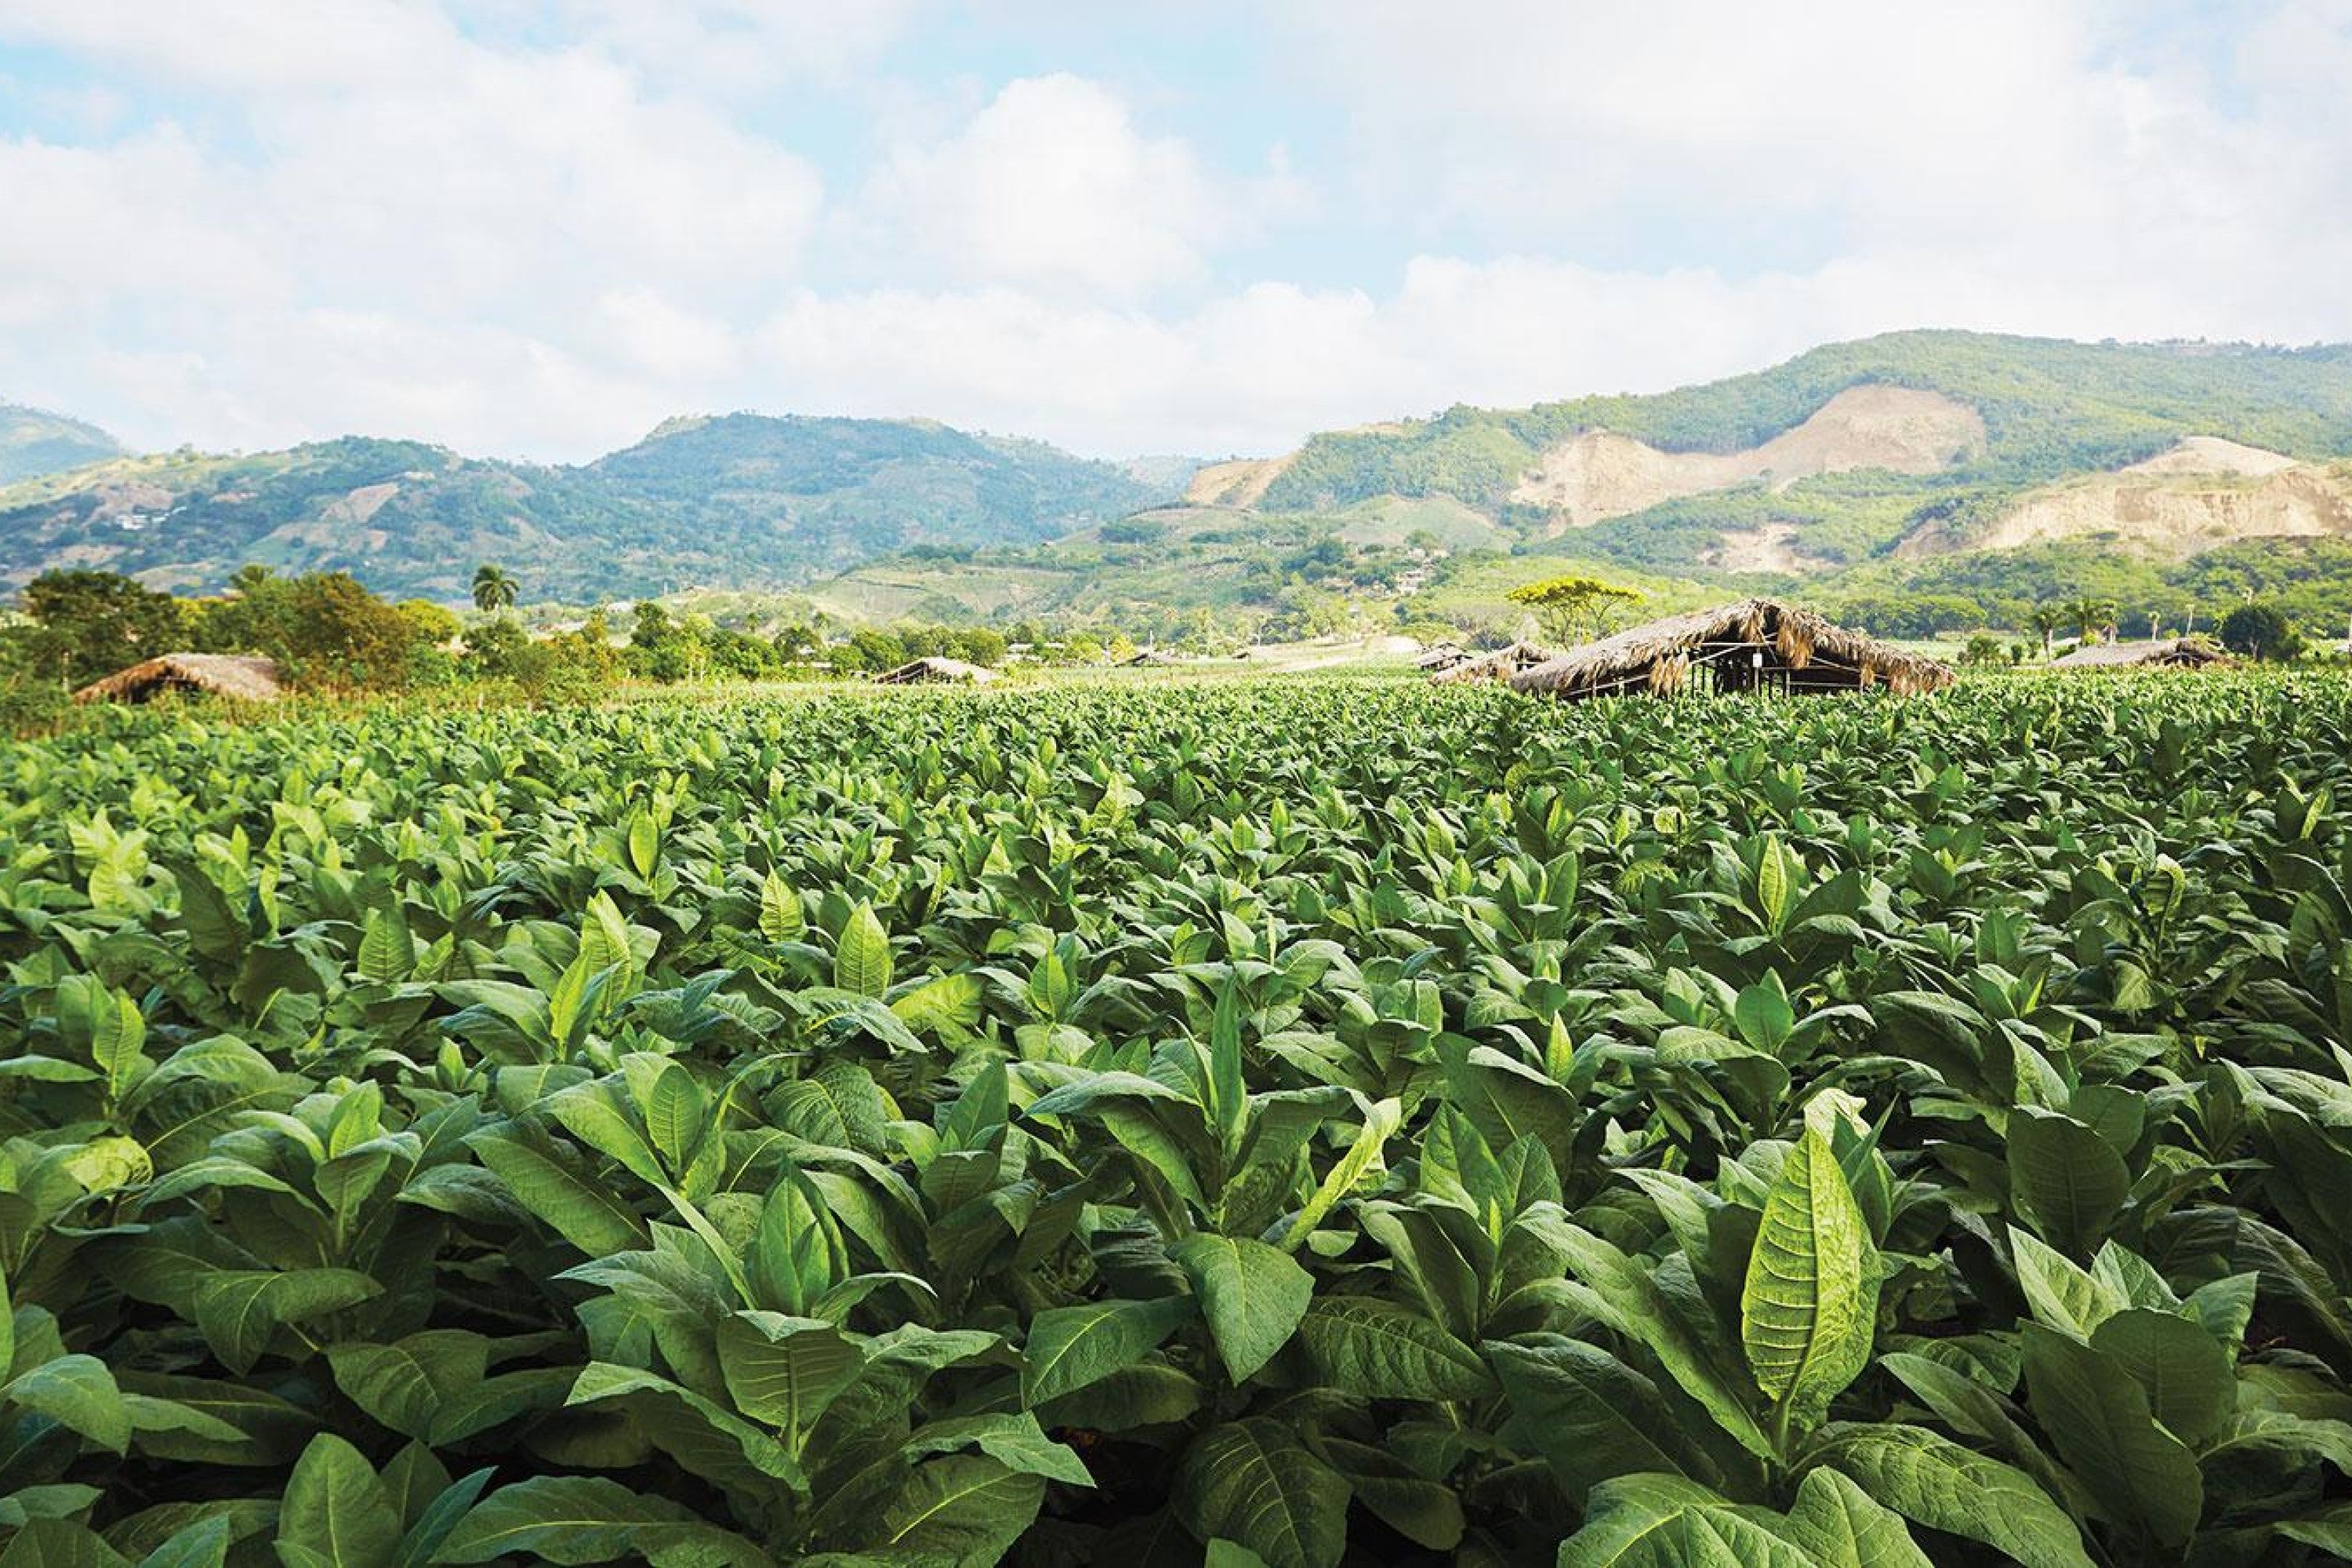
{"points": [[1179, 1121]]}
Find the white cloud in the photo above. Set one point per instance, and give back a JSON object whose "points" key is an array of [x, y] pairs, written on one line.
{"points": [[542, 229], [1052, 183]]}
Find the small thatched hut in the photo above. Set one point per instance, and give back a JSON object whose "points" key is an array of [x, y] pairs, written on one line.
{"points": [[1440, 657], [247, 678], [1755, 645], [2173, 653], [1500, 665], [927, 671]]}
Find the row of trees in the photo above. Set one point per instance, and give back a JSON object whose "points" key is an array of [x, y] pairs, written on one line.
{"points": [[328, 633]]}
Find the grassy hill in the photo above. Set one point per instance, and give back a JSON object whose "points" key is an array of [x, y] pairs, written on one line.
{"points": [[33, 442], [2050, 409], [2001, 469], [1997, 468], [743, 499]]}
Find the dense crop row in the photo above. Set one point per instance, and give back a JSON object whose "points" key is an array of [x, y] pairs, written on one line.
{"points": [[1292, 1124]]}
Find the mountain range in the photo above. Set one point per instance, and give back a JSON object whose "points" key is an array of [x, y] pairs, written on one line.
{"points": [[1916, 460]]}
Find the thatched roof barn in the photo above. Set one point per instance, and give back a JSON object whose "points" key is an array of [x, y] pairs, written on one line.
{"points": [[1500, 665], [1441, 656], [246, 678], [1148, 658], [927, 671], [1755, 645], [2173, 653]]}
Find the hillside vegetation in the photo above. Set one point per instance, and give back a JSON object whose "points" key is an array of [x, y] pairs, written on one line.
{"points": [[1895, 466], [33, 442], [733, 500], [2050, 409]]}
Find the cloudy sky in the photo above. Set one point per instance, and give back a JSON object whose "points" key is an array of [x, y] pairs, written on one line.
{"points": [[535, 227]]}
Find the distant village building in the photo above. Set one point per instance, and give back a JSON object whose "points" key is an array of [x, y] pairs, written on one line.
{"points": [[1440, 656], [933, 671]]}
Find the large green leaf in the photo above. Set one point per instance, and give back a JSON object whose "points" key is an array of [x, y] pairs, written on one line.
{"points": [[861, 962], [337, 1513], [1586, 1413], [77, 1392], [2099, 1417], [406, 1383], [1252, 1294], [586, 1212], [1251, 1482], [1665, 1521], [2185, 1372], [1932, 1480], [963, 1507], [1070, 1347], [1808, 1309], [2062, 1293], [1378, 1350], [2069, 1181], [572, 1519], [785, 1371], [240, 1310]]}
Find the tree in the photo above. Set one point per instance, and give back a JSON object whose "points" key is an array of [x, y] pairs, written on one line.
{"points": [[2046, 618], [981, 646], [94, 623], [493, 589], [2260, 630], [434, 623], [1574, 609], [2090, 616], [336, 634]]}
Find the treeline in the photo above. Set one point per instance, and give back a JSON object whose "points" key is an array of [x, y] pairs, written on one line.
{"points": [[329, 633], [2307, 581]]}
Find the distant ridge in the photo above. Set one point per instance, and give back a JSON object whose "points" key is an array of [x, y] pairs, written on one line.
{"points": [[1869, 459], [33, 441]]}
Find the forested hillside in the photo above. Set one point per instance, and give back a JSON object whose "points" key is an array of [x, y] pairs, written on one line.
{"points": [[2050, 409], [1866, 468], [33, 441], [741, 500]]}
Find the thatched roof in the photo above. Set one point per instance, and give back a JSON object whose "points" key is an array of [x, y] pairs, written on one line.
{"points": [[1757, 634], [247, 678], [2173, 653], [1500, 665], [918, 671], [1440, 656]]}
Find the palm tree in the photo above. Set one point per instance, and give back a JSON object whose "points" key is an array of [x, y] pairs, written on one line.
{"points": [[493, 589], [2090, 614], [2046, 618]]}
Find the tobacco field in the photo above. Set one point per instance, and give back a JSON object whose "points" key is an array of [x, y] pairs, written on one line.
{"points": [[1334, 1122]]}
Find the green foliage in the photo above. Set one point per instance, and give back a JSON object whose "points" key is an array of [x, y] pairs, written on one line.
{"points": [[33, 442], [2050, 409], [1574, 609], [494, 589], [1339, 1122], [89, 623], [726, 501], [2259, 631]]}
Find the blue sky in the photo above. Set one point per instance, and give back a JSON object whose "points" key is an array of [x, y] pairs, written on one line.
{"points": [[535, 227]]}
